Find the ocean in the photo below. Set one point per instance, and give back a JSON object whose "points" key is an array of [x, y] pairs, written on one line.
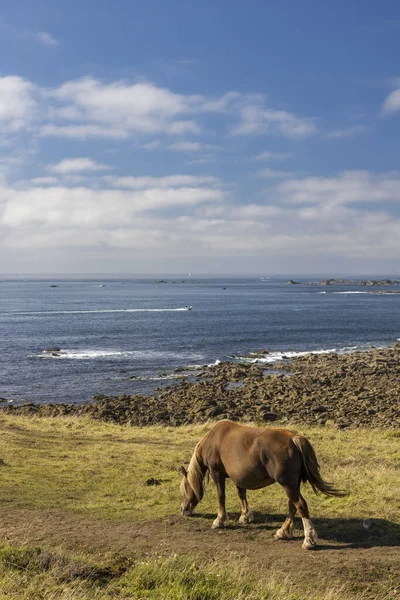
{"points": [[105, 331]]}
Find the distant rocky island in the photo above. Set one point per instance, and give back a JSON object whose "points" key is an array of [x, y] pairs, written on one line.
{"points": [[358, 282]]}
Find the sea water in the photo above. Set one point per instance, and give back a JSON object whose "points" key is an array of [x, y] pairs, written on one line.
{"points": [[128, 336]]}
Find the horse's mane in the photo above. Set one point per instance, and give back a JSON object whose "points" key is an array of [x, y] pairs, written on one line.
{"points": [[196, 471]]}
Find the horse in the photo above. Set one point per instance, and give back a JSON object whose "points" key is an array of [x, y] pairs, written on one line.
{"points": [[254, 458]]}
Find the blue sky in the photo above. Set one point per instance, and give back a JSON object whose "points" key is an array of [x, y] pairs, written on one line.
{"points": [[214, 137]]}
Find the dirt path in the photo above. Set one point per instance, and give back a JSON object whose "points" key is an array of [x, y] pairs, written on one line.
{"points": [[370, 563]]}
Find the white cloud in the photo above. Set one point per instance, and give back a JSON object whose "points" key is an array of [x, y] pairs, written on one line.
{"points": [[154, 145], [77, 165], [88, 108], [193, 147], [58, 207], [44, 181], [346, 132], [349, 187], [17, 106], [170, 181], [257, 211], [186, 146], [47, 39], [257, 120], [125, 107], [273, 174], [392, 102], [183, 215], [273, 155], [82, 132], [202, 160]]}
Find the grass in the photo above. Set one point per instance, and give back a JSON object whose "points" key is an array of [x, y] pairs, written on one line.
{"points": [[102, 469], [89, 470], [38, 574]]}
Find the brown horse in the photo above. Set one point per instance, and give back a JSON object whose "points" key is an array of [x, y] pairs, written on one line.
{"points": [[255, 457]]}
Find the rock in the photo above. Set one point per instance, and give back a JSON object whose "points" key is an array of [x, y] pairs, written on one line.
{"points": [[320, 409], [269, 416], [361, 389]]}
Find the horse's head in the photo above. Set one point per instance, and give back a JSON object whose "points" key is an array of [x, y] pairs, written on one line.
{"points": [[189, 498]]}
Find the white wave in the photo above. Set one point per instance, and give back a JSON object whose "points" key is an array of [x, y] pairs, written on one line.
{"points": [[273, 357], [214, 364], [351, 292], [161, 377], [90, 354], [321, 292], [102, 310]]}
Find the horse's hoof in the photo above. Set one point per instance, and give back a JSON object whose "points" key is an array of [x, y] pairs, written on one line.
{"points": [[283, 535], [217, 524], [309, 545], [246, 519]]}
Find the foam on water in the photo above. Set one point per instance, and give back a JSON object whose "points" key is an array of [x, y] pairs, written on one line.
{"points": [[273, 357], [90, 354], [215, 363]]}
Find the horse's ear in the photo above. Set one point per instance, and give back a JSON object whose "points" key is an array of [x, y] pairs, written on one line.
{"points": [[183, 471]]}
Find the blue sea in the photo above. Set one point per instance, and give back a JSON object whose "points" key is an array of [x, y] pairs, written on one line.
{"points": [[108, 330]]}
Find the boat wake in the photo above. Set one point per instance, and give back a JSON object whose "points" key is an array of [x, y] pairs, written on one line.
{"points": [[97, 311]]}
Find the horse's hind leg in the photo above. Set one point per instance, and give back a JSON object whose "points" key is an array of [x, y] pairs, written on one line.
{"points": [[310, 535], [286, 531], [246, 516], [219, 481]]}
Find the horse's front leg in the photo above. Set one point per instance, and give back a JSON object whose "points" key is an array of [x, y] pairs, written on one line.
{"points": [[246, 516], [219, 481]]}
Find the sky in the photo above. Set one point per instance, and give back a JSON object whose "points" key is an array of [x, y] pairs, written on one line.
{"points": [[230, 137]]}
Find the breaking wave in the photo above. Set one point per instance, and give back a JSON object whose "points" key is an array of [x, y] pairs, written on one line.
{"points": [[82, 354], [273, 357]]}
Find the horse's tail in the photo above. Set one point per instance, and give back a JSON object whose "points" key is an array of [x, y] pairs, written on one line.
{"points": [[311, 472], [196, 472]]}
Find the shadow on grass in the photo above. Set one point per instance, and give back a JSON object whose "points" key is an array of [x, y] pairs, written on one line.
{"points": [[349, 533]]}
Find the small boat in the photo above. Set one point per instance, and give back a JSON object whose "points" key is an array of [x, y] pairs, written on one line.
{"points": [[188, 307]]}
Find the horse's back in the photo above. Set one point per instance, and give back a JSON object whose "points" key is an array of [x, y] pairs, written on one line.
{"points": [[226, 430], [247, 453]]}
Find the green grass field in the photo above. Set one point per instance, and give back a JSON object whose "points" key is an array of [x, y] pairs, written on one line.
{"points": [[80, 471]]}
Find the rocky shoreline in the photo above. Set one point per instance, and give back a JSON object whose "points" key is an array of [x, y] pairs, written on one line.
{"points": [[361, 389], [352, 282]]}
